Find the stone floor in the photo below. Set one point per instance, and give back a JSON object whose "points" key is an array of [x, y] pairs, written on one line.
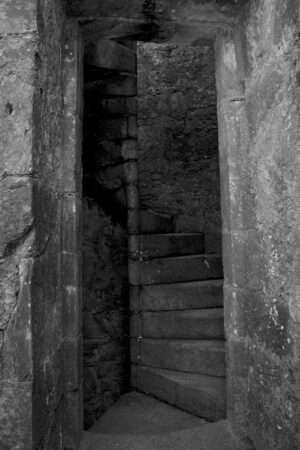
{"points": [[139, 422]]}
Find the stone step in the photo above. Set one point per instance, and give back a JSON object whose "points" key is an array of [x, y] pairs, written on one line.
{"points": [[201, 395], [120, 85], [203, 357], [189, 295], [188, 324], [107, 54], [180, 268], [151, 222], [171, 244]]}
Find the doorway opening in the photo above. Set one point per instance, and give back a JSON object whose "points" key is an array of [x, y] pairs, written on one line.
{"points": [[152, 247]]}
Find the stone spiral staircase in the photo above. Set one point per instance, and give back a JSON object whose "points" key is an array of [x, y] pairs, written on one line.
{"points": [[177, 324]]}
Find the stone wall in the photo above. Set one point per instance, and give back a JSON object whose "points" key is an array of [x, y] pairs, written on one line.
{"points": [[71, 239], [258, 83], [18, 44], [109, 137], [46, 298], [178, 137], [31, 168]]}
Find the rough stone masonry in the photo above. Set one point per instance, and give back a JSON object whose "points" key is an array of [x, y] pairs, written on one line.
{"points": [[257, 66]]}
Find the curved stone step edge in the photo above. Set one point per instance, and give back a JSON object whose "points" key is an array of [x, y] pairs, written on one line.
{"points": [[204, 396], [181, 324], [177, 296]]}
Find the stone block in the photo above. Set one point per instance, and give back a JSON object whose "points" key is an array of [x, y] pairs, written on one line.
{"points": [[189, 224], [195, 356], [181, 268], [73, 419], [131, 103], [108, 129], [17, 344], [72, 307], [73, 350], [134, 247], [132, 127], [16, 212], [120, 199], [133, 221], [120, 85], [17, 18], [108, 54], [171, 244], [134, 272], [16, 99], [71, 269], [108, 107], [71, 223], [72, 142], [111, 178], [132, 196], [171, 296], [131, 172], [9, 289], [200, 395], [134, 297], [129, 149], [16, 415], [151, 222], [72, 68], [188, 324], [73, 105]]}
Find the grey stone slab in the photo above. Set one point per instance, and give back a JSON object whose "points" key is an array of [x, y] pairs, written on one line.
{"points": [[171, 244], [120, 85], [181, 268], [108, 54], [189, 295], [151, 222], [15, 415], [139, 422], [204, 396], [202, 357], [188, 324]]}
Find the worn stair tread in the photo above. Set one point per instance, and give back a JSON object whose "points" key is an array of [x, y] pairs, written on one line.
{"points": [[180, 268], [170, 244], [206, 357], [173, 296], [151, 222], [108, 54], [184, 324], [202, 395]]}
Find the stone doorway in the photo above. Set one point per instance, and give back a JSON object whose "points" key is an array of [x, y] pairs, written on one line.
{"points": [[151, 190]]}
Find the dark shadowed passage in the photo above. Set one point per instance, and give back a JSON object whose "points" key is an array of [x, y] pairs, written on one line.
{"points": [[151, 109]]}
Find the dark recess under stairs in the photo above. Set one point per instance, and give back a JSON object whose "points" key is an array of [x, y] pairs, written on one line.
{"points": [[177, 324]]}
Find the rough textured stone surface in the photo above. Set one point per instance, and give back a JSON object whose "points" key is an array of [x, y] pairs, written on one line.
{"points": [[105, 322], [188, 324], [178, 140], [157, 245], [188, 295], [72, 406], [258, 83], [192, 356], [183, 22], [201, 395], [139, 422], [179, 268], [46, 307], [109, 183], [30, 117]]}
